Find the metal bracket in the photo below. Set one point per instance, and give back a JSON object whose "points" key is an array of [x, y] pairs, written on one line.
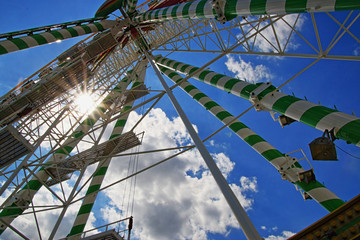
{"points": [[219, 7], [254, 97]]}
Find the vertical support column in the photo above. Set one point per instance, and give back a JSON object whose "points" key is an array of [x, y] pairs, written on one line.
{"points": [[346, 127], [95, 184], [315, 189], [239, 212]]}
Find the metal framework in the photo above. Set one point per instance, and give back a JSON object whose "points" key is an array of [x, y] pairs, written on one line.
{"points": [[54, 139]]}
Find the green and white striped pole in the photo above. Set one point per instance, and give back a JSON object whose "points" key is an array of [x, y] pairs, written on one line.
{"points": [[346, 127], [90, 196], [131, 7], [229, 9], [26, 194], [16, 44], [315, 189]]}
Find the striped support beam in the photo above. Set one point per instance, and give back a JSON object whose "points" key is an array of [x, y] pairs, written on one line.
{"points": [[26, 194], [16, 44], [316, 190], [233, 8], [131, 7], [346, 127], [90, 196]]}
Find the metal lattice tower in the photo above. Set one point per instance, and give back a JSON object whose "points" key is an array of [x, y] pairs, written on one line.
{"points": [[46, 140]]}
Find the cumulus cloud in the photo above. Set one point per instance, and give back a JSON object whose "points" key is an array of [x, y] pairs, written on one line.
{"points": [[275, 39], [247, 71], [178, 199], [283, 236]]}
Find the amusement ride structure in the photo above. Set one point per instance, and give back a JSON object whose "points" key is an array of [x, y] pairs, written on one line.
{"points": [[46, 140]]}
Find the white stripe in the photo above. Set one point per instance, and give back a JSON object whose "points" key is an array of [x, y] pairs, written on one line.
{"points": [[320, 5], [208, 10], [243, 7], [192, 10], [228, 119], [30, 41], [322, 194], [64, 33], [93, 27], [217, 109], [9, 46], [209, 76], [244, 132], [49, 37], [297, 109], [335, 119], [179, 11], [268, 102], [222, 81], [275, 6], [204, 100], [79, 30], [238, 87], [262, 147], [193, 92]]}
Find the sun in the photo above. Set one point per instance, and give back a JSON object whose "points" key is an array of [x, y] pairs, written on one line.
{"points": [[85, 103]]}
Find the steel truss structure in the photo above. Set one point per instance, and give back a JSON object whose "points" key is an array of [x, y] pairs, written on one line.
{"points": [[58, 140]]}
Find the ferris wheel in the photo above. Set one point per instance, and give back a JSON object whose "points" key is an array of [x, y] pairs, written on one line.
{"points": [[52, 144]]}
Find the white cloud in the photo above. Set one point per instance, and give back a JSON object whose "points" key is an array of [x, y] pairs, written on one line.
{"points": [[263, 228], [356, 51], [270, 38], [168, 204], [284, 235], [246, 71]]}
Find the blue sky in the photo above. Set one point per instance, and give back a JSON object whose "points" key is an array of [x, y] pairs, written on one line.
{"points": [[274, 205]]}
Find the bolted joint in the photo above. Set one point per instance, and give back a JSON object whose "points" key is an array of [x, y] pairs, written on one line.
{"points": [[219, 7], [254, 99]]}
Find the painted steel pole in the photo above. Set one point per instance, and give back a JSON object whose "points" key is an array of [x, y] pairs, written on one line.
{"points": [[225, 10], [26, 194], [95, 184], [16, 44], [346, 127], [316, 190], [239, 212]]}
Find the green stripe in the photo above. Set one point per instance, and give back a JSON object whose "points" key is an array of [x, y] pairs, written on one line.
{"points": [[89, 122], [114, 135], [99, 26], [193, 70], [39, 39], [222, 115], [120, 123], [258, 7], [77, 134], [189, 87], [11, 210], [199, 95], [172, 74], [73, 32], [347, 5], [332, 204], [57, 35], [101, 171], [174, 11], [210, 105], [76, 230], [236, 126], [92, 189], [86, 28], [295, 6], [268, 90], [215, 79], [185, 10], [3, 50], [282, 104], [200, 9], [313, 115], [182, 69], [350, 132], [85, 208], [230, 84], [176, 65], [203, 74], [253, 139], [32, 185], [21, 44], [272, 154], [245, 92], [64, 150]]}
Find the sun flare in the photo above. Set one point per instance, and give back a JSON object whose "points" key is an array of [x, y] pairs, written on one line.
{"points": [[85, 103]]}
